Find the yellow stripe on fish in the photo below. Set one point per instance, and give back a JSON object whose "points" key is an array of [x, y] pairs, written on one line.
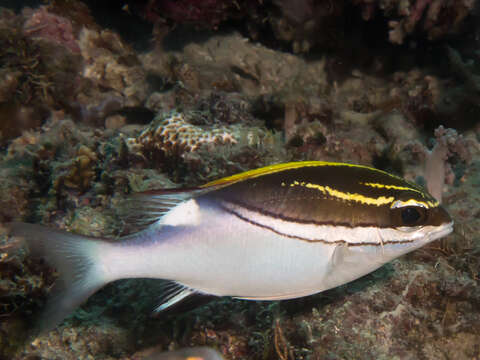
{"points": [[346, 196], [282, 167]]}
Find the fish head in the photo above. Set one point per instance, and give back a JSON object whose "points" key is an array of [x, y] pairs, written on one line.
{"points": [[337, 203], [413, 224]]}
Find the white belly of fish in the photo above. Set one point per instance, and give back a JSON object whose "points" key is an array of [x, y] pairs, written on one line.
{"points": [[215, 252], [229, 256]]}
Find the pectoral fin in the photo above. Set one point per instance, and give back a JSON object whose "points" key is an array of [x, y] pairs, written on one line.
{"points": [[339, 257], [139, 210], [340, 268]]}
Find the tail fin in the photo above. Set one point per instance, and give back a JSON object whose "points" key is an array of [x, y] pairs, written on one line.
{"points": [[77, 260]]}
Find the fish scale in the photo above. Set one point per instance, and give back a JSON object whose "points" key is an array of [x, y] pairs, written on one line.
{"points": [[278, 232]]}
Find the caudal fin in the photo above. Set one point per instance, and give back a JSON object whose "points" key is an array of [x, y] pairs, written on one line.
{"points": [[77, 260]]}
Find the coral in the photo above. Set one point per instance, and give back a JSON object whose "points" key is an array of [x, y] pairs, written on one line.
{"points": [[67, 62], [417, 96], [429, 100], [35, 72], [320, 129], [209, 13], [15, 189], [111, 64], [172, 134], [77, 12], [205, 150], [9, 80], [81, 170], [225, 108], [435, 18], [89, 221], [440, 165], [307, 23], [465, 70], [211, 106], [16, 119], [437, 170], [41, 24], [231, 63], [300, 24]]}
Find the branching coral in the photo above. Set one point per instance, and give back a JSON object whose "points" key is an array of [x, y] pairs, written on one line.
{"points": [[438, 170]]}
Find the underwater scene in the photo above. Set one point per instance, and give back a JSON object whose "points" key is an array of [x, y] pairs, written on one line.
{"points": [[246, 179]]}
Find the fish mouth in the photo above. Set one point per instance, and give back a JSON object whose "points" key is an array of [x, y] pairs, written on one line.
{"points": [[444, 230]]}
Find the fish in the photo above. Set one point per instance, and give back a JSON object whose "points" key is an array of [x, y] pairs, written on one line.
{"points": [[279, 232], [194, 353]]}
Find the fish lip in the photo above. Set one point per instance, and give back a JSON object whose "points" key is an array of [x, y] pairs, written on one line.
{"points": [[445, 230]]}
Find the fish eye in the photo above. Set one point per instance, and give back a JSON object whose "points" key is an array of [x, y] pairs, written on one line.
{"points": [[410, 215]]}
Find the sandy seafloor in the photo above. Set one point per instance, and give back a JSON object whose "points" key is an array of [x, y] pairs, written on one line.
{"points": [[89, 114]]}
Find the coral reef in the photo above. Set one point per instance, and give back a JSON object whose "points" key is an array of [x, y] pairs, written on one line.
{"points": [[57, 57], [74, 144], [306, 24]]}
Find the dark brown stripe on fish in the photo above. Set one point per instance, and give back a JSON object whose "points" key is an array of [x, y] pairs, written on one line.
{"points": [[279, 216], [336, 242]]}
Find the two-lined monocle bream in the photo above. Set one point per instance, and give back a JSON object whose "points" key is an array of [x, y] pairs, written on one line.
{"points": [[278, 232]]}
